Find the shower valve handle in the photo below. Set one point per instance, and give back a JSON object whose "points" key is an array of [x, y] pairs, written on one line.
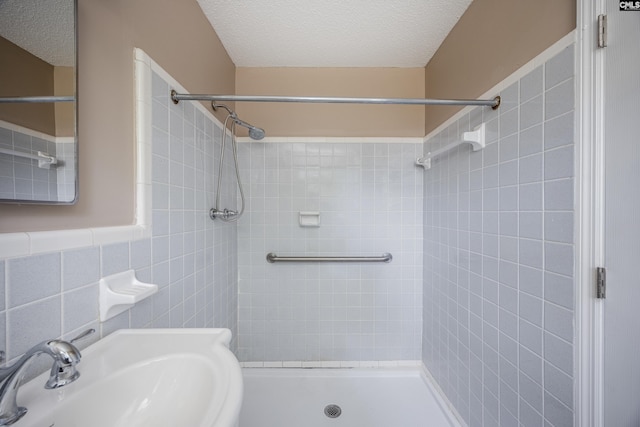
{"points": [[224, 214]]}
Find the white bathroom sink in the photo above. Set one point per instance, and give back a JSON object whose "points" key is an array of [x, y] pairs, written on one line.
{"points": [[148, 377]]}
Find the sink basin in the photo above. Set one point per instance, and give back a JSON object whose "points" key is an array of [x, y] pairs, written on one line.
{"points": [[148, 377]]}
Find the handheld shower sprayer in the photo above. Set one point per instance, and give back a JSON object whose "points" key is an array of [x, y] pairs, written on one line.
{"points": [[228, 215], [255, 133]]}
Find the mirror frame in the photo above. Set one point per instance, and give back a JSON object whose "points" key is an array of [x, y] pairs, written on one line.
{"points": [[74, 200]]}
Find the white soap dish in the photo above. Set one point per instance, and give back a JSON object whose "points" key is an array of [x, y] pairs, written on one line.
{"points": [[309, 219], [119, 292]]}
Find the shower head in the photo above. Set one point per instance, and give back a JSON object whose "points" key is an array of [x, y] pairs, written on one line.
{"points": [[254, 132]]}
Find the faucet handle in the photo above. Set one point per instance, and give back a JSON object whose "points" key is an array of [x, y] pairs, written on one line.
{"points": [[63, 370], [83, 335]]}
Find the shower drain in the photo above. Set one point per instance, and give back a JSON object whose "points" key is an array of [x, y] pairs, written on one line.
{"points": [[332, 411]]}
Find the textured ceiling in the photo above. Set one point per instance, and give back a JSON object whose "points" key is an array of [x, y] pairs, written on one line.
{"points": [[44, 28], [332, 33]]}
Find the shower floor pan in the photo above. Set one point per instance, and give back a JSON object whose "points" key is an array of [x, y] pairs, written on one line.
{"points": [[319, 397]]}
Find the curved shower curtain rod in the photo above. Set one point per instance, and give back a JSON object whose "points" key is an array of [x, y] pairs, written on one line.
{"points": [[177, 97]]}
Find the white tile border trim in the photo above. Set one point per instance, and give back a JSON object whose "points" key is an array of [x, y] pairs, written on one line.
{"points": [[335, 139], [173, 83], [14, 245], [543, 57], [334, 364], [31, 243], [33, 133]]}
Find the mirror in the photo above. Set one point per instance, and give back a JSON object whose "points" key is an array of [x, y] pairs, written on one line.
{"points": [[38, 108]]}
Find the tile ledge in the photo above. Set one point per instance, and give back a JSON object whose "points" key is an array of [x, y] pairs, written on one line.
{"points": [[13, 245]]}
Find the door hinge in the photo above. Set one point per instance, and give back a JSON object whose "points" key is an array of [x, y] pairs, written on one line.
{"points": [[602, 31], [601, 282]]}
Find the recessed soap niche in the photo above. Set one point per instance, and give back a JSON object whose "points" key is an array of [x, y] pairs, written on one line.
{"points": [[309, 219]]}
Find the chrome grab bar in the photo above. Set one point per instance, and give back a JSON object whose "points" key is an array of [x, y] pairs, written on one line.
{"points": [[271, 257]]}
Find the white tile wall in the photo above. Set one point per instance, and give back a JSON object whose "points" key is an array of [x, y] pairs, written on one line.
{"points": [[66, 173], [369, 196], [499, 257], [21, 178], [192, 259]]}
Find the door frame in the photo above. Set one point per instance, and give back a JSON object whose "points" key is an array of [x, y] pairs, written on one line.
{"points": [[589, 228]]}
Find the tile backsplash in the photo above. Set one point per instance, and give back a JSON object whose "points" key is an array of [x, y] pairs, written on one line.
{"points": [[499, 257]]}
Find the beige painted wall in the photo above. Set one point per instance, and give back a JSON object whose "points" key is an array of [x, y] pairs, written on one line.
{"points": [[490, 41], [333, 119], [177, 36], [64, 85], [28, 75]]}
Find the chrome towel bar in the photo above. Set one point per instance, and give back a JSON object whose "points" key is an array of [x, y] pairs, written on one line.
{"points": [[45, 160], [271, 257]]}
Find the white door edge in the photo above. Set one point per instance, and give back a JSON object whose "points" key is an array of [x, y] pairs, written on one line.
{"points": [[589, 326]]}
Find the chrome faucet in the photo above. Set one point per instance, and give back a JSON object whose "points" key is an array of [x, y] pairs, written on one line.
{"points": [[63, 371]]}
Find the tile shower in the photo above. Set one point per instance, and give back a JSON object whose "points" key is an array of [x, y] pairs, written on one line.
{"points": [[498, 257], [369, 199], [480, 288]]}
